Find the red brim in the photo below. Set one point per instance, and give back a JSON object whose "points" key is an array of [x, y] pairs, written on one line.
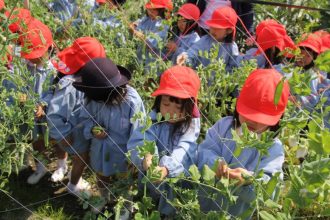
{"points": [[173, 93], [63, 56], [310, 47], [215, 24], [34, 54], [257, 116]]}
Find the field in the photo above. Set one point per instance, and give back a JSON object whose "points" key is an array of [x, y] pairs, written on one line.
{"points": [[304, 193]]}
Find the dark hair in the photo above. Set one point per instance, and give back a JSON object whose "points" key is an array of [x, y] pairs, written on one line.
{"points": [[58, 77], [314, 54], [237, 124], [110, 96], [191, 26], [229, 38], [161, 12], [119, 2], [273, 56], [187, 105]]}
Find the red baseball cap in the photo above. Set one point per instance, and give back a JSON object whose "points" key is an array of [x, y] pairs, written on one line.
{"points": [[153, 4], [179, 81], [267, 23], [311, 41], [189, 11], [72, 58], [271, 36], [36, 40], [223, 17], [325, 38], [2, 4], [256, 99], [19, 19]]}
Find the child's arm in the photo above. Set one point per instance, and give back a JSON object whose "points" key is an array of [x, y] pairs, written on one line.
{"points": [[310, 101], [210, 150], [270, 165], [87, 120], [137, 139], [60, 109], [184, 152], [152, 39]]}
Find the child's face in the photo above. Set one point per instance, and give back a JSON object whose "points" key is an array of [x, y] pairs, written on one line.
{"points": [[305, 58], [252, 125], [153, 13], [220, 34], [172, 108], [182, 24]]}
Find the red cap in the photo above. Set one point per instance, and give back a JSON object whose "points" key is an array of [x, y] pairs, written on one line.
{"points": [[256, 99], [2, 4], [271, 36], [101, 1], [179, 81], [153, 4], [19, 19], [311, 41], [267, 23], [223, 17], [36, 40], [325, 38], [190, 11], [72, 58]]}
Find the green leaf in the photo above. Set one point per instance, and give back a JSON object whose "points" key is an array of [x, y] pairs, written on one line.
{"points": [[271, 204], [159, 117], [266, 216], [271, 185], [195, 175], [278, 91], [208, 175]]}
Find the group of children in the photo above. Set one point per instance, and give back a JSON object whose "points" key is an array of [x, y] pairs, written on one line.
{"points": [[88, 104]]}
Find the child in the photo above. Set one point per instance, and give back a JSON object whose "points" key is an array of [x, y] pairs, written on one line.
{"points": [[111, 104], [272, 38], [152, 31], [310, 48], [222, 33], [255, 107], [105, 19], [36, 42], [176, 138], [188, 16], [64, 110]]}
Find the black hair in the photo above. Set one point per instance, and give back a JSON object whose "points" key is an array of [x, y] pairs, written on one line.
{"points": [[191, 26], [237, 124], [229, 38], [314, 54], [187, 105], [58, 77], [274, 57], [110, 96], [161, 12], [119, 2]]}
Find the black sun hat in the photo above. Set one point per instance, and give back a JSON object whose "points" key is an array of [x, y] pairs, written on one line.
{"points": [[101, 74]]}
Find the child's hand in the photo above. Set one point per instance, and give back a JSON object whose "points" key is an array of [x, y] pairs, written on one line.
{"points": [[163, 171], [98, 132], [147, 161], [250, 41], [181, 59], [237, 174], [138, 34], [171, 46], [132, 26], [22, 98], [39, 111]]}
